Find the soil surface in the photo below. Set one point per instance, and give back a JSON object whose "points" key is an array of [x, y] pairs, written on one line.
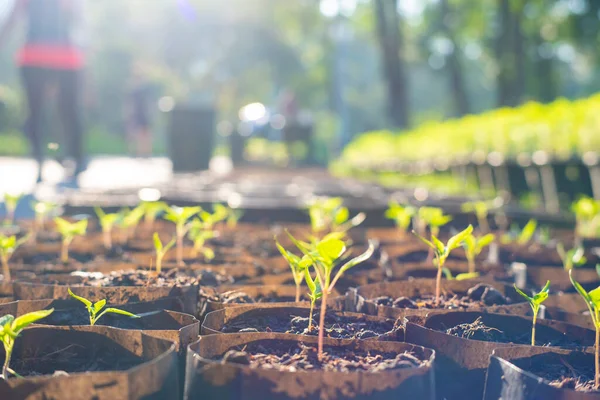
{"points": [[339, 327], [241, 297], [70, 317], [480, 295], [477, 330], [566, 376], [294, 357], [166, 278]]}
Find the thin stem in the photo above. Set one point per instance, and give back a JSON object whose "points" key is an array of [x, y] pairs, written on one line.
{"points": [[310, 315], [64, 251], [597, 353], [438, 281], [484, 227], [8, 351], [297, 292], [535, 313], [471, 262], [5, 269], [179, 249], [159, 258], [322, 323], [106, 237]]}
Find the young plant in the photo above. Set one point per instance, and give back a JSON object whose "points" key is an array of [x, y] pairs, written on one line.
{"points": [[474, 246], [571, 258], [324, 256], [151, 211], [42, 209], [592, 301], [129, 221], [68, 231], [199, 235], [97, 310], [298, 265], [535, 302], [161, 250], [401, 215], [329, 215], [233, 216], [587, 217], [179, 216], [434, 218], [8, 245], [10, 205], [442, 252], [107, 222], [211, 219], [520, 236], [10, 329], [459, 277], [314, 294], [481, 209]]}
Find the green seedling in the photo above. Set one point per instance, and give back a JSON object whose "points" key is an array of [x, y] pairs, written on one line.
{"points": [[180, 216], [107, 222], [329, 215], [459, 277], [401, 215], [324, 256], [474, 246], [211, 219], [10, 204], [129, 221], [8, 245], [535, 302], [587, 217], [298, 265], [233, 217], [161, 250], [442, 252], [199, 235], [97, 310], [434, 218], [68, 231], [314, 294], [481, 209], [10, 329], [151, 211], [571, 258], [520, 236], [42, 209], [592, 301]]}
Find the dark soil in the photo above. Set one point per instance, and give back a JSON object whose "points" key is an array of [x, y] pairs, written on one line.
{"points": [[480, 295], [477, 330], [292, 358], [339, 327], [241, 297], [566, 376], [166, 278], [154, 321]]}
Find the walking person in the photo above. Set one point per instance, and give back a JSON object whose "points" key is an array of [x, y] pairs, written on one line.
{"points": [[51, 60]]}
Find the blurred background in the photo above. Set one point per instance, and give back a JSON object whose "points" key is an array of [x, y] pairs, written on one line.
{"points": [[403, 92]]}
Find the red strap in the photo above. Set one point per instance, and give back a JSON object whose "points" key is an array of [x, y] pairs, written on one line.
{"points": [[51, 56]]}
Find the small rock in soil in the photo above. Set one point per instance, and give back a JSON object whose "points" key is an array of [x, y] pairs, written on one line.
{"points": [[493, 297], [477, 291], [404, 302], [238, 357]]}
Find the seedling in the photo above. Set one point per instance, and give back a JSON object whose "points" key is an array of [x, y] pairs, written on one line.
{"points": [[571, 258], [233, 217], [8, 245], [10, 204], [179, 216], [442, 252], [587, 217], [68, 232], [298, 266], [592, 301], [474, 246], [161, 250], [401, 215], [520, 236], [329, 215], [10, 329], [210, 220], [107, 222], [324, 257], [315, 293], [459, 277], [199, 235], [535, 302], [481, 209], [129, 221], [151, 211], [434, 218], [97, 310], [42, 209]]}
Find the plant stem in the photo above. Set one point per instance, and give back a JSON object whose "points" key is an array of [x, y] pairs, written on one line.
{"points": [[64, 251], [535, 313], [310, 315], [597, 356], [179, 250], [471, 262], [8, 352], [5, 269], [159, 258], [322, 323], [484, 227], [438, 283], [297, 292], [106, 237]]}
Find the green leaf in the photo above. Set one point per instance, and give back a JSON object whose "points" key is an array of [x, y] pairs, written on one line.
{"points": [[439, 246], [447, 274], [121, 312], [341, 216], [527, 232], [427, 242], [486, 240], [466, 275], [85, 301], [27, 319], [579, 288], [302, 246], [358, 259], [331, 249], [525, 296], [456, 240], [309, 281], [6, 319], [99, 305], [595, 297], [157, 243], [208, 253]]}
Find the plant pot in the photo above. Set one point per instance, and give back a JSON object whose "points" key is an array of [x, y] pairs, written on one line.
{"points": [[278, 319], [101, 362], [207, 378], [463, 360], [113, 294], [513, 373], [361, 300]]}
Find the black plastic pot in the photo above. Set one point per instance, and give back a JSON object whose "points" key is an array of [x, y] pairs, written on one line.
{"points": [[509, 376], [101, 363], [210, 379], [273, 316], [463, 360]]}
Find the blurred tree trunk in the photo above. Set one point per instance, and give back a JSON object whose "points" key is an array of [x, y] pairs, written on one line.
{"points": [[543, 68], [510, 54], [390, 41], [453, 63]]}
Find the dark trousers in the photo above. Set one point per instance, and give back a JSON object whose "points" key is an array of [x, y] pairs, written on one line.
{"points": [[37, 81]]}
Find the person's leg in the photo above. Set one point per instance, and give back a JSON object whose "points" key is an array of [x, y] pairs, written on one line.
{"points": [[70, 109], [35, 83]]}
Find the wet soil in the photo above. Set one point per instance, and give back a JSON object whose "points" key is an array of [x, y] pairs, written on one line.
{"points": [[241, 297], [338, 327], [480, 295], [566, 376], [166, 278], [292, 358]]}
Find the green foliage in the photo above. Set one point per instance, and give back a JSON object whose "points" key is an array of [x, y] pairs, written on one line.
{"points": [[10, 203], [233, 216], [180, 215], [11, 328], [161, 250], [535, 302], [442, 251], [520, 236], [131, 218], [330, 215], [459, 277], [474, 246], [42, 209], [199, 233], [571, 258], [107, 221], [151, 210], [220, 213], [97, 310], [481, 210], [401, 215], [69, 230], [8, 245], [587, 216]]}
